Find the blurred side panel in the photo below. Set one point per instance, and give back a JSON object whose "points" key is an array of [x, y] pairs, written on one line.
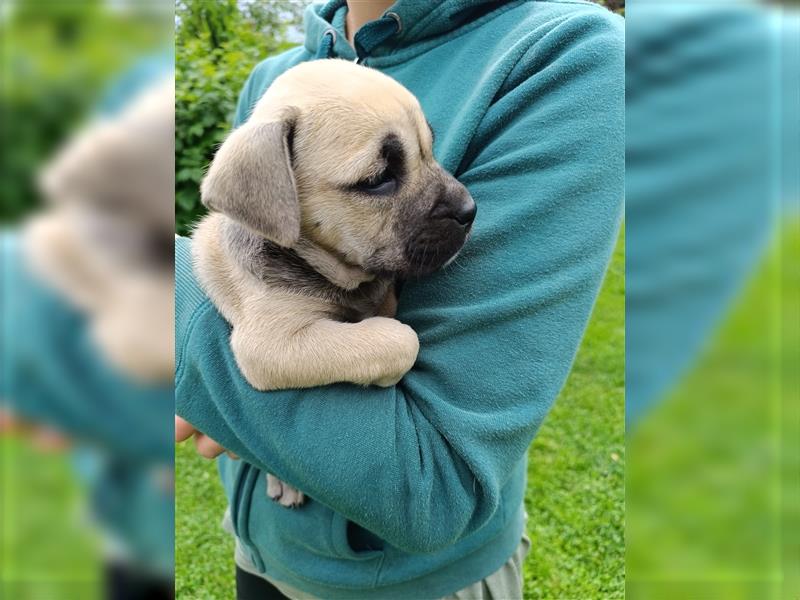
{"points": [[86, 279], [713, 495]]}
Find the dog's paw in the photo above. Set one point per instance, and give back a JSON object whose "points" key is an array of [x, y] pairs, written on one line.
{"points": [[389, 380], [400, 357], [283, 493]]}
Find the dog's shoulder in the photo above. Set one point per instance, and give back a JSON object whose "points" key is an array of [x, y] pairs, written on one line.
{"points": [[247, 277], [221, 278], [239, 269]]}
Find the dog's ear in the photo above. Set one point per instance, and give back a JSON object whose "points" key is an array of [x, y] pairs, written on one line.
{"points": [[251, 180]]}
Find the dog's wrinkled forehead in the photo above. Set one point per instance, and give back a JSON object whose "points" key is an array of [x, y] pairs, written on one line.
{"points": [[314, 84], [348, 111]]}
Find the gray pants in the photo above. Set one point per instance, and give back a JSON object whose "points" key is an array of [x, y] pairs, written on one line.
{"points": [[503, 584]]}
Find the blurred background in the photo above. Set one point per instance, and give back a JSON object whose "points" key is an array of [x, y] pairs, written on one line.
{"points": [[712, 305], [59, 60], [86, 490]]}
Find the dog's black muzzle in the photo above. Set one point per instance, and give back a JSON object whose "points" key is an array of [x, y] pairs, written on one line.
{"points": [[443, 233]]}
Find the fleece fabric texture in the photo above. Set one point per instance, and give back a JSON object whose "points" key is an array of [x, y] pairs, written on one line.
{"points": [[417, 490]]}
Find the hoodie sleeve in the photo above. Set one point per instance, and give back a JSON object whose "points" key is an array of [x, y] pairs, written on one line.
{"points": [[247, 98], [498, 329]]}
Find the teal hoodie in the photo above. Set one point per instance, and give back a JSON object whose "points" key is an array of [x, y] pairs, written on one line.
{"points": [[417, 490]]}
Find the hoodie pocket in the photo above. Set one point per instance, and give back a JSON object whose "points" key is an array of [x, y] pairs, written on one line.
{"points": [[233, 474], [310, 541], [353, 542]]}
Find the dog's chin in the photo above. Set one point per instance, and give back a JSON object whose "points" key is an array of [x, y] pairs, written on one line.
{"points": [[424, 257], [427, 268], [408, 269], [427, 260]]}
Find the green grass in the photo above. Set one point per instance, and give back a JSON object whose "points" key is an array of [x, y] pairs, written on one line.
{"points": [[47, 547], [204, 565], [712, 475], [576, 470], [575, 497]]}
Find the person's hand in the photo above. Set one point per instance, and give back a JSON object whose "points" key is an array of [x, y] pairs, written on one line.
{"points": [[42, 437], [206, 447]]}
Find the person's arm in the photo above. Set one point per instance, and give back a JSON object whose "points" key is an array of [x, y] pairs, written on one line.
{"points": [[422, 464]]}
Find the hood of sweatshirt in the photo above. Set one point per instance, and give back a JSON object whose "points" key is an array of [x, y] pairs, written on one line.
{"points": [[406, 28]]}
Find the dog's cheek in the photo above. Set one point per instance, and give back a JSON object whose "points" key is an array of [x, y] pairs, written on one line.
{"points": [[387, 259], [411, 219]]}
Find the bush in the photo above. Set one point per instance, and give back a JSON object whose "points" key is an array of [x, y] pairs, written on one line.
{"points": [[58, 61], [217, 44]]}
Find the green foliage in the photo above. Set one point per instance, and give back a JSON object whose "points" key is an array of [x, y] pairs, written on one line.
{"points": [[217, 45], [57, 60], [617, 6]]}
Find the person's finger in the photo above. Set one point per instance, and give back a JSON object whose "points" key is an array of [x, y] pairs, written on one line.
{"points": [[231, 454], [183, 429], [206, 447], [49, 440], [8, 422], [13, 425]]}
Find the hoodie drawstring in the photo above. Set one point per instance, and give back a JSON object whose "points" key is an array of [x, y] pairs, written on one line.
{"points": [[369, 37], [326, 44]]}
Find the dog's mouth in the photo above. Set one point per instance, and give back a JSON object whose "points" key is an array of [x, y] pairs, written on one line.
{"points": [[426, 249], [433, 249]]}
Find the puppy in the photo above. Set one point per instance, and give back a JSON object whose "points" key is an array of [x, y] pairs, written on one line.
{"points": [[105, 240], [320, 201]]}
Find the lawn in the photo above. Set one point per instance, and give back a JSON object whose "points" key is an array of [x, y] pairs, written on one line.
{"points": [[713, 471], [47, 548], [576, 465], [575, 498]]}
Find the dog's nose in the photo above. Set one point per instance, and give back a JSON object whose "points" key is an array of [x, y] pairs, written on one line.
{"points": [[462, 211], [465, 213]]}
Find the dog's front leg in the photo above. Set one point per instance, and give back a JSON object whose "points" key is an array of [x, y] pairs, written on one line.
{"points": [[283, 493], [375, 351]]}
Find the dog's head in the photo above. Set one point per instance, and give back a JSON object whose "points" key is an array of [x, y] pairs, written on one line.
{"points": [[341, 155]]}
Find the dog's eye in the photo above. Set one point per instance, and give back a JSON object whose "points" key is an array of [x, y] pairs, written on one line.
{"points": [[382, 185]]}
